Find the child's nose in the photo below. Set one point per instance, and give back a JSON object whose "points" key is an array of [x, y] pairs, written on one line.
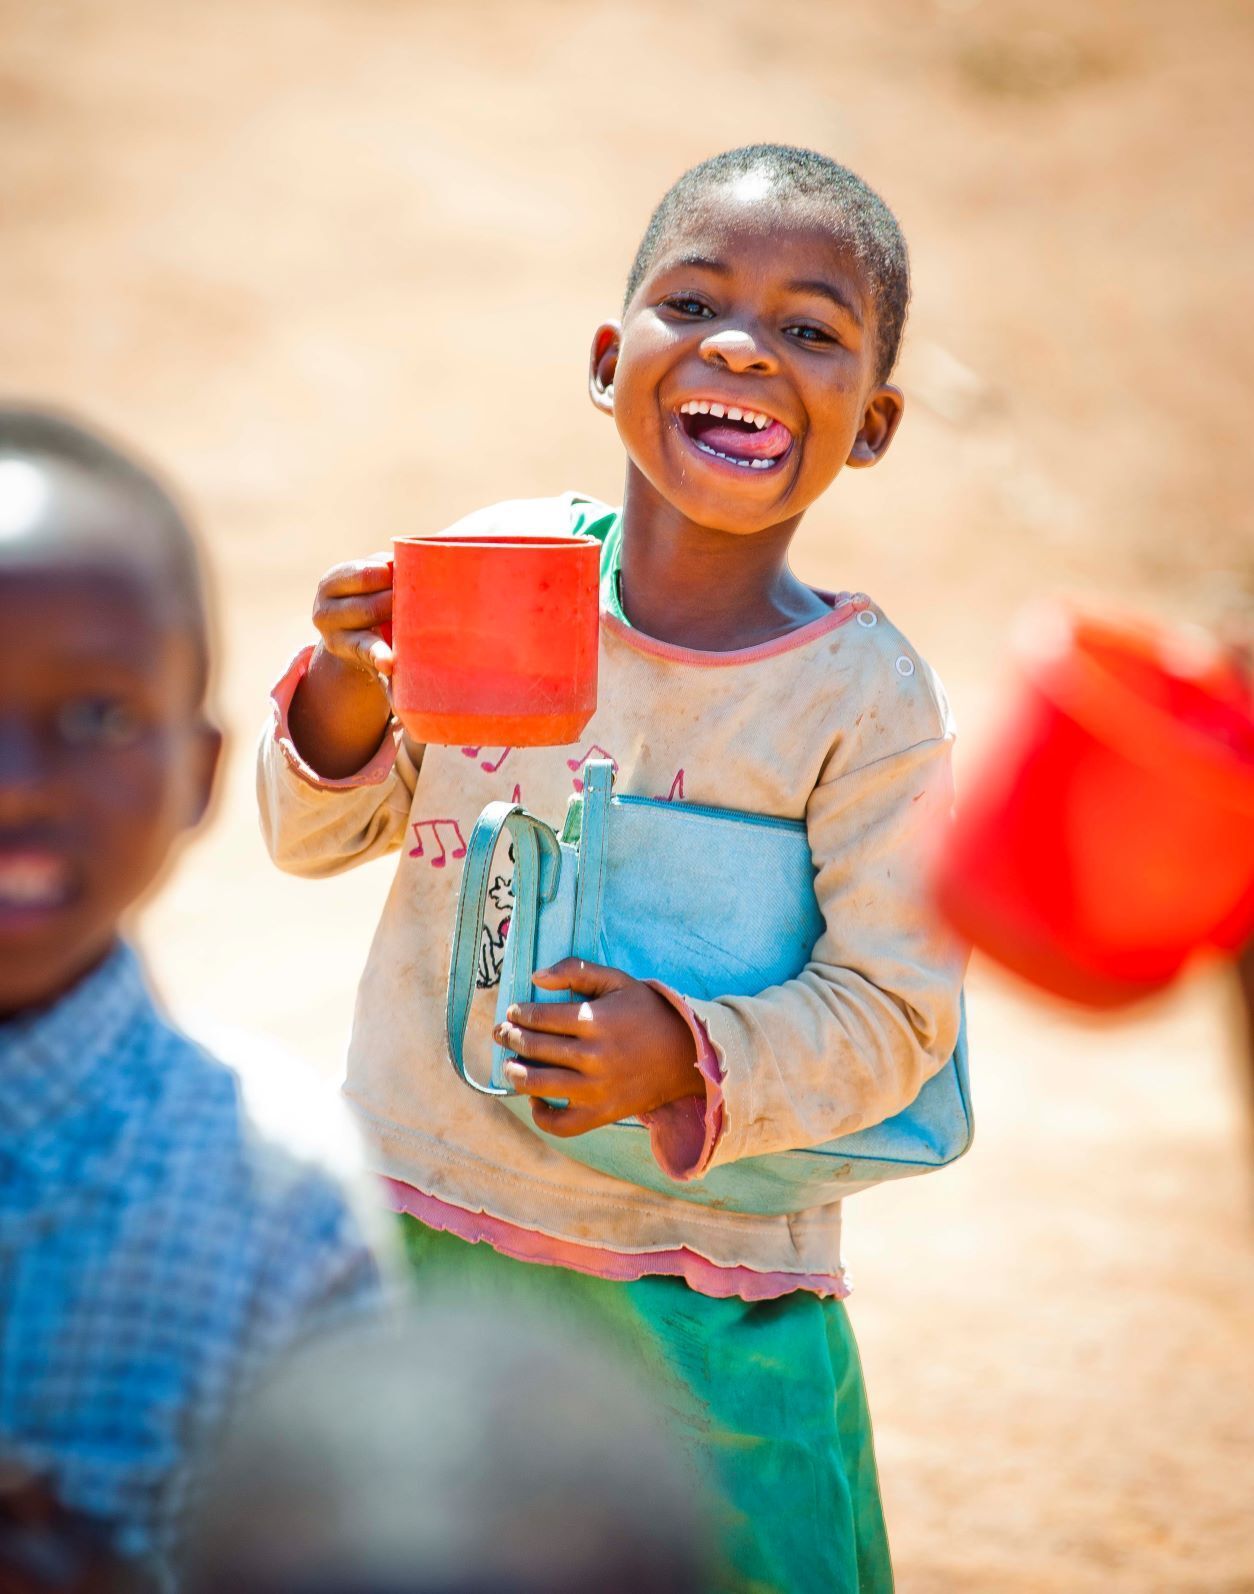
{"points": [[736, 349]]}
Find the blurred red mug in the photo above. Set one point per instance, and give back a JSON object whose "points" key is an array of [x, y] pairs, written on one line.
{"points": [[496, 638], [1109, 833]]}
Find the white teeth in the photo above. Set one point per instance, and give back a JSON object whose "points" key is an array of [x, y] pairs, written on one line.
{"points": [[743, 464], [732, 413]]}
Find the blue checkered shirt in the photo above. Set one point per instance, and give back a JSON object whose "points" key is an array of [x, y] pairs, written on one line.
{"points": [[155, 1248]]}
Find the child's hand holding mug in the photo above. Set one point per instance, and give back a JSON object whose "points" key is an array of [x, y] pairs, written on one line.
{"points": [[353, 613], [341, 711]]}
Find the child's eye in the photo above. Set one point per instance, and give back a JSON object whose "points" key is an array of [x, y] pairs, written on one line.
{"points": [[686, 305], [98, 722], [809, 334]]}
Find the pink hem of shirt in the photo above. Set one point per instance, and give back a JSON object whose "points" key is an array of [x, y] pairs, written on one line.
{"points": [[371, 773], [845, 609], [621, 1267]]}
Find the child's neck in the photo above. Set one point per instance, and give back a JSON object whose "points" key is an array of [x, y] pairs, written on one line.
{"points": [[710, 590]]}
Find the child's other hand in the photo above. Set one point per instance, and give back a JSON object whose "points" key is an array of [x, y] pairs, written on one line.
{"points": [[352, 602], [622, 1051]]}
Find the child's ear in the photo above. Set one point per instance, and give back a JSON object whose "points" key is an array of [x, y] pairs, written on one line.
{"points": [[606, 342], [205, 755], [879, 426]]}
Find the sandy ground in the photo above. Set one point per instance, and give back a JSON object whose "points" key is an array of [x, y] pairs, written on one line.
{"points": [[337, 263]]}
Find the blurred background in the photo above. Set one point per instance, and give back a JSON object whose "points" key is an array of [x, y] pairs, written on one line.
{"points": [[336, 263]]}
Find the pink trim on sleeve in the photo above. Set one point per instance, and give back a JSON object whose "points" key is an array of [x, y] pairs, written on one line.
{"points": [[370, 774], [622, 1267], [683, 1134]]}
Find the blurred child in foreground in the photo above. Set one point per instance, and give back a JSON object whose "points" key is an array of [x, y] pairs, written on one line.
{"points": [[155, 1243], [457, 1453]]}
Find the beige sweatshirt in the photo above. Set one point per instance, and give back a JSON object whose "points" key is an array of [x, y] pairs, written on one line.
{"points": [[839, 724]]}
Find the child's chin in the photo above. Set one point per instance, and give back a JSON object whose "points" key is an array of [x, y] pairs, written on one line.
{"points": [[720, 512], [40, 959]]}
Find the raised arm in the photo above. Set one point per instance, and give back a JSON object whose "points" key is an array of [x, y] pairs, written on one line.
{"points": [[335, 778], [315, 825]]}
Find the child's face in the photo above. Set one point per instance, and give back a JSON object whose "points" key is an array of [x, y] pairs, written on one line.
{"points": [[105, 757], [759, 312]]}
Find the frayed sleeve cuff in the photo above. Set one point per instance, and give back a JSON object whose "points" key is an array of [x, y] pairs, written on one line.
{"points": [[684, 1134], [373, 773]]}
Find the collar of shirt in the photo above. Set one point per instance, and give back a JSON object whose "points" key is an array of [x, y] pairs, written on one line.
{"points": [[57, 1061]]}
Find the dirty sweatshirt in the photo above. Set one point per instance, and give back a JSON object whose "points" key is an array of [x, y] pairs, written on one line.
{"points": [[839, 724]]}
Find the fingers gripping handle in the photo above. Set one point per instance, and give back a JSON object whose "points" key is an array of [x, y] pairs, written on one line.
{"points": [[385, 631], [537, 861], [385, 626]]}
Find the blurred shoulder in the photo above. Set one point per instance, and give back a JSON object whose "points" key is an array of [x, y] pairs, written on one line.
{"points": [[269, 1136]]}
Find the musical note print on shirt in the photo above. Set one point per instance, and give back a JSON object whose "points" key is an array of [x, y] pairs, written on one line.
{"points": [[439, 828], [676, 793], [576, 764], [488, 766]]}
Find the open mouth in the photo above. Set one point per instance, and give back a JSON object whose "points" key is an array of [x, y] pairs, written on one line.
{"points": [[34, 881], [742, 437]]}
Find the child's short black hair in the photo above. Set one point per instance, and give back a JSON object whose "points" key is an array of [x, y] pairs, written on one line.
{"points": [[857, 211], [30, 432]]}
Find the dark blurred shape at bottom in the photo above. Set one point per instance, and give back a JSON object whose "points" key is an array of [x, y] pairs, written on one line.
{"points": [[47, 1549], [449, 1453]]}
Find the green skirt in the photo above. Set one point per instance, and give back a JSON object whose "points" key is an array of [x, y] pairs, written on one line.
{"points": [[776, 1413]]}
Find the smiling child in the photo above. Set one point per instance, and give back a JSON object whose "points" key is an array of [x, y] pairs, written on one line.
{"points": [[155, 1242], [762, 319]]}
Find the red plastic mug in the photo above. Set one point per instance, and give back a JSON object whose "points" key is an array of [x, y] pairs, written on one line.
{"points": [[1110, 832], [496, 639]]}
